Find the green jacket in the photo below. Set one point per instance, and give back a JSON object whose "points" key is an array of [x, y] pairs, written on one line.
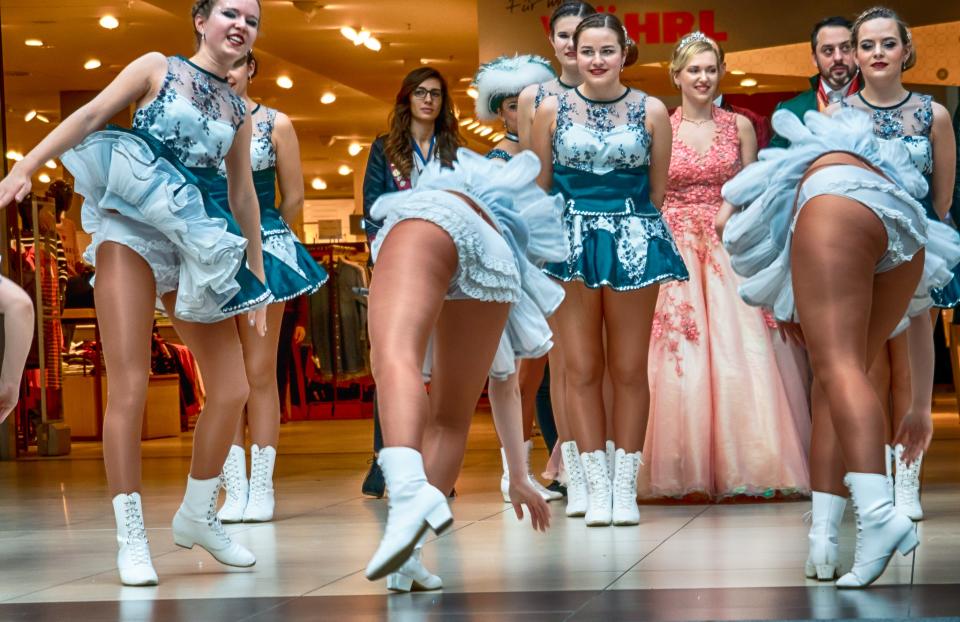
{"points": [[799, 106]]}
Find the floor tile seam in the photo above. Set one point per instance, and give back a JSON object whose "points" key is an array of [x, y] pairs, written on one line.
{"points": [[639, 561]]}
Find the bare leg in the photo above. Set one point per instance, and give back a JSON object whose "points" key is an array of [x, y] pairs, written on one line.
{"points": [[558, 387], [240, 436], [531, 375], [847, 313], [629, 320], [464, 343], [880, 378], [218, 351], [414, 268], [826, 460], [900, 389], [260, 362], [125, 294], [18, 327], [580, 329]]}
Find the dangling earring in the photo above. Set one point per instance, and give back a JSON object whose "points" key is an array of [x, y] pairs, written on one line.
{"points": [[203, 36]]}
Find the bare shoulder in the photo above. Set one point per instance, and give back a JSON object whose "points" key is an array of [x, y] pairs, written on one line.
{"points": [[744, 125], [527, 96], [656, 109], [940, 112]]}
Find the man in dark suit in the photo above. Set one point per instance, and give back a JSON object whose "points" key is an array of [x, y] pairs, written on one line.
{"points": [[833, 55]]}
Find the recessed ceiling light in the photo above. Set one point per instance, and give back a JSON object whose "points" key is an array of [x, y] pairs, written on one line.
{"points": [[318, 184], [738, 72], [42, 118], [50, 164], [497, 137], [16, 156], [328, 98], [748, 82], [349, 33], [373, 44], [473, 93], [354, 148], [486, 131], [109, 22], [344, 170], [466, 122], [93, 63], [285, 82], [44, 178], [362, 37], [30, 116], [33, 43]]}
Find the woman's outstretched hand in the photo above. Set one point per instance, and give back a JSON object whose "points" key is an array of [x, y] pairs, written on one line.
{"points": [[915, 434], [14, 187], [522, 493]]}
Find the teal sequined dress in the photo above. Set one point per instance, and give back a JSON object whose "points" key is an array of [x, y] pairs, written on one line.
{"points": [[289, 268], [601, 166], [149, 189]]}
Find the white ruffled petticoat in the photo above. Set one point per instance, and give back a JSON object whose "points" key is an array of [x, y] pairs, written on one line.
{"points": [[758, 238], [529, 225], [118, 173]]}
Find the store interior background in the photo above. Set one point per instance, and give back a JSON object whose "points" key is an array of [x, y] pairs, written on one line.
{"points": [[339, 94]]}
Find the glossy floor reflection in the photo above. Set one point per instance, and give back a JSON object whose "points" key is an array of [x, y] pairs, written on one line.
{"points": [[684, 562]]}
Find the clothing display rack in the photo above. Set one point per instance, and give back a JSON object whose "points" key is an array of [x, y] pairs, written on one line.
{"points": [[328, 254]]}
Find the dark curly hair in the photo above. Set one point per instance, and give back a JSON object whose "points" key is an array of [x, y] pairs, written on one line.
{"points": [[204, 8], [399, 144]]}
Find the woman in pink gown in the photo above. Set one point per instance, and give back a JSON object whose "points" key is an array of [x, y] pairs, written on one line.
{"points": [[720, 418]]}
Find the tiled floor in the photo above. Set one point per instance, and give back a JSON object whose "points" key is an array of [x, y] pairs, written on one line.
{"points": [[684, 562]]}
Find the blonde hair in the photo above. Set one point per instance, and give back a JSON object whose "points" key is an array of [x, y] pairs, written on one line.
{"points": [[686, 50], [906, 38]]}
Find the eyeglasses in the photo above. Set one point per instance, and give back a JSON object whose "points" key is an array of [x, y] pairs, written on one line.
{"points": [[421, 93]]}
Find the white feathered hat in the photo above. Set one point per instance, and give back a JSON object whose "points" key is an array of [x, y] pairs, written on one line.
{"points": [[506, 76]]}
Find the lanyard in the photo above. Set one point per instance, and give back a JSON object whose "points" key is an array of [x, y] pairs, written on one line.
{"points": [[429, 156]]}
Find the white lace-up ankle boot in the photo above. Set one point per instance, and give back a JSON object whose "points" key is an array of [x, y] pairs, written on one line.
{"points": [[599, 489], [826, 516], [415, 506], [235, 483], [625, 508], [881, 530], [261, 501], [906, 486], [413, 576], [133, 559], [196, 523], [576, 483]]}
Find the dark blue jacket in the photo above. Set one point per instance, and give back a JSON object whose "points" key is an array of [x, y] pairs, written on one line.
{"points": [[377, 180]]}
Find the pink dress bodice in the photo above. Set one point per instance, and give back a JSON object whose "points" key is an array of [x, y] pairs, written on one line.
{"points": [[694, 181]]}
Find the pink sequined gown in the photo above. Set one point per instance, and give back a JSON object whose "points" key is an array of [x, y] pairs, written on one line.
{"points": [[720, 418]]}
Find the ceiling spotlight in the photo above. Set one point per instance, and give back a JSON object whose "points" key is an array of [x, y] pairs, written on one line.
{"points": [[30, 116], [466, 122], [33, 43], [42, 119], [486, 131], [373, 44], [737, 72], [93, 63], [318, 184], [473, 125], [748, 82], [328, 98], [497, 137], [44, 178], [109, 22], [473, 93], [285, 82], [16, 156], [362, 37], [354, 148], [50, 164], [344, 170], [349, 33]]}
